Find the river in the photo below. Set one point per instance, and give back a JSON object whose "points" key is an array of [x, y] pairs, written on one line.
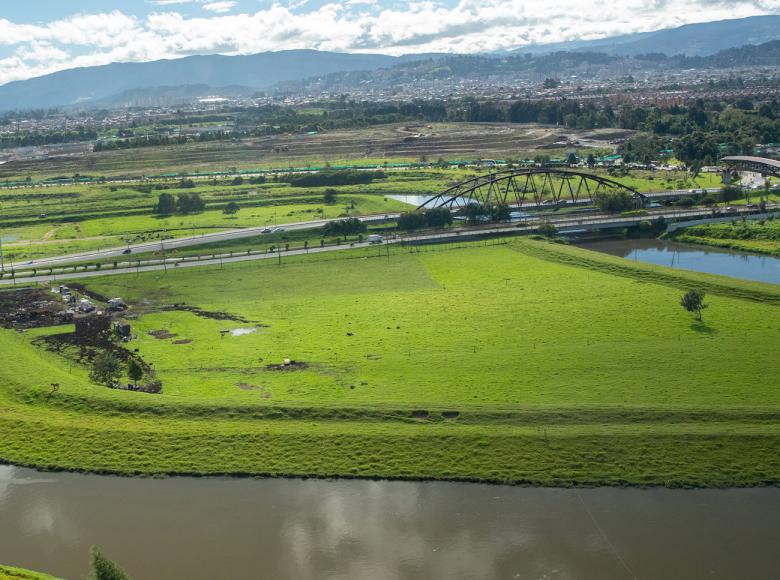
{"points": [[693, 257], [318, 529]]}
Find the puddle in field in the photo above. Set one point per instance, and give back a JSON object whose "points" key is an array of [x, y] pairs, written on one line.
{"points": [[242, 331]]}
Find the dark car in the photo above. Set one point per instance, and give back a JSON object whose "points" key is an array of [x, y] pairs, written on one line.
{"points": [[127, 251]]}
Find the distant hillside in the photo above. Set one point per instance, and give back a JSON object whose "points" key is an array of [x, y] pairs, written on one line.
{"points": [[692, 39], [258, 71], [534, 68], [767, 54]]}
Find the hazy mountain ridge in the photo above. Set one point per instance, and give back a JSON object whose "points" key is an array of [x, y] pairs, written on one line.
{"points": [[702, 39], [259, 71], [166, 81], [526, 66]]}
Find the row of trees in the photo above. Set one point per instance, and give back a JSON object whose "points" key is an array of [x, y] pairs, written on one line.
{"points": [[183, 203], [332, 178]]}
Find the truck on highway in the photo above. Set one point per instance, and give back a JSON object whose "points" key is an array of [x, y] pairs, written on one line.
{"points": [[375, 239]]}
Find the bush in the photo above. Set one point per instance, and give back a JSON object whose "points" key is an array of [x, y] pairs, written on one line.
{"points": [[438, 217], [411, 221], [547, 229], [347, 227], [105, 569], [730, 193], [614, 202]]}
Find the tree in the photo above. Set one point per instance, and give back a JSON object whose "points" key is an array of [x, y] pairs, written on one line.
{"points": [[411, 220], [614, 202], [346, 227], [693, 301], [591, 161], [237, 181], [438, 217], [135, 371], [231, 208], [105, 569], [730, 193], [500, 212], [165, 204], [329, 196], [105, 369], [190, 203], [571, 159], [476, 213]]}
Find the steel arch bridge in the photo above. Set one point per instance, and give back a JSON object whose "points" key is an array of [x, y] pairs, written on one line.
{"points": [[760, 165], [531, 185]]}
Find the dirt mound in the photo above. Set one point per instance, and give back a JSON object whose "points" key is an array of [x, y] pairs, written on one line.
{"points": [[161, 334], [31, 308], [183, 341]]}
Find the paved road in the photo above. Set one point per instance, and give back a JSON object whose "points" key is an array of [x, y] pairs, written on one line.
{"points": [[183, 242], [227, 235], [565, 223]]}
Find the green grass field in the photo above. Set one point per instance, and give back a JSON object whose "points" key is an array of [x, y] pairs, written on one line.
{"points": [[519, 362], [762, 237]]}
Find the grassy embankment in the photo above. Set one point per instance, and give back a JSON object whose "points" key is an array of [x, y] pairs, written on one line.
{"points": [[525, 362], [762, 237], [10, 573]]}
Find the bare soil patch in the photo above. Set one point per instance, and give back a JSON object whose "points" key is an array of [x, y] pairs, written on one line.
{"points": [[293, 366], [162, 334], [206, 313], [31, 308]]}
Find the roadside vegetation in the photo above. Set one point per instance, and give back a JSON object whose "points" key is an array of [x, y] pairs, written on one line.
{"points": [[760, 236]]}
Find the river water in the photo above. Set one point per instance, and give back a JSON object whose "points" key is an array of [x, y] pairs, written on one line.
{"points": [[693, 257], [378, 530]]}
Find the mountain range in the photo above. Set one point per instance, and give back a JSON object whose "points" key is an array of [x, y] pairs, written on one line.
{"points": [[701, 39], [122, 83]]}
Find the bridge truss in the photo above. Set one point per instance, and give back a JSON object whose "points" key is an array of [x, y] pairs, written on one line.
{"points": [[538, 185], [760, 165]]}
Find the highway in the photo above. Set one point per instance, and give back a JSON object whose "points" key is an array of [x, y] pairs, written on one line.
{"points": [[183, 242], [236, 234], [563, 224]]}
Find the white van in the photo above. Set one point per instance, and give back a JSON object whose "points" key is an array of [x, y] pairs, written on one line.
{"points": [[375, 239]]}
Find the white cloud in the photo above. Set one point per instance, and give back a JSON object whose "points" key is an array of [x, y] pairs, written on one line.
{"points": [[353, 26], [168, 2], [219, 7]]}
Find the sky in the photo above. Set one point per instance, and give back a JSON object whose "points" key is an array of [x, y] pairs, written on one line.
{"points": [[43, 36]]}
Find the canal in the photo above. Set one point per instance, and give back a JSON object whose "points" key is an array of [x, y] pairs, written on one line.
{"points": [[319, 529], [693, 257]]}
